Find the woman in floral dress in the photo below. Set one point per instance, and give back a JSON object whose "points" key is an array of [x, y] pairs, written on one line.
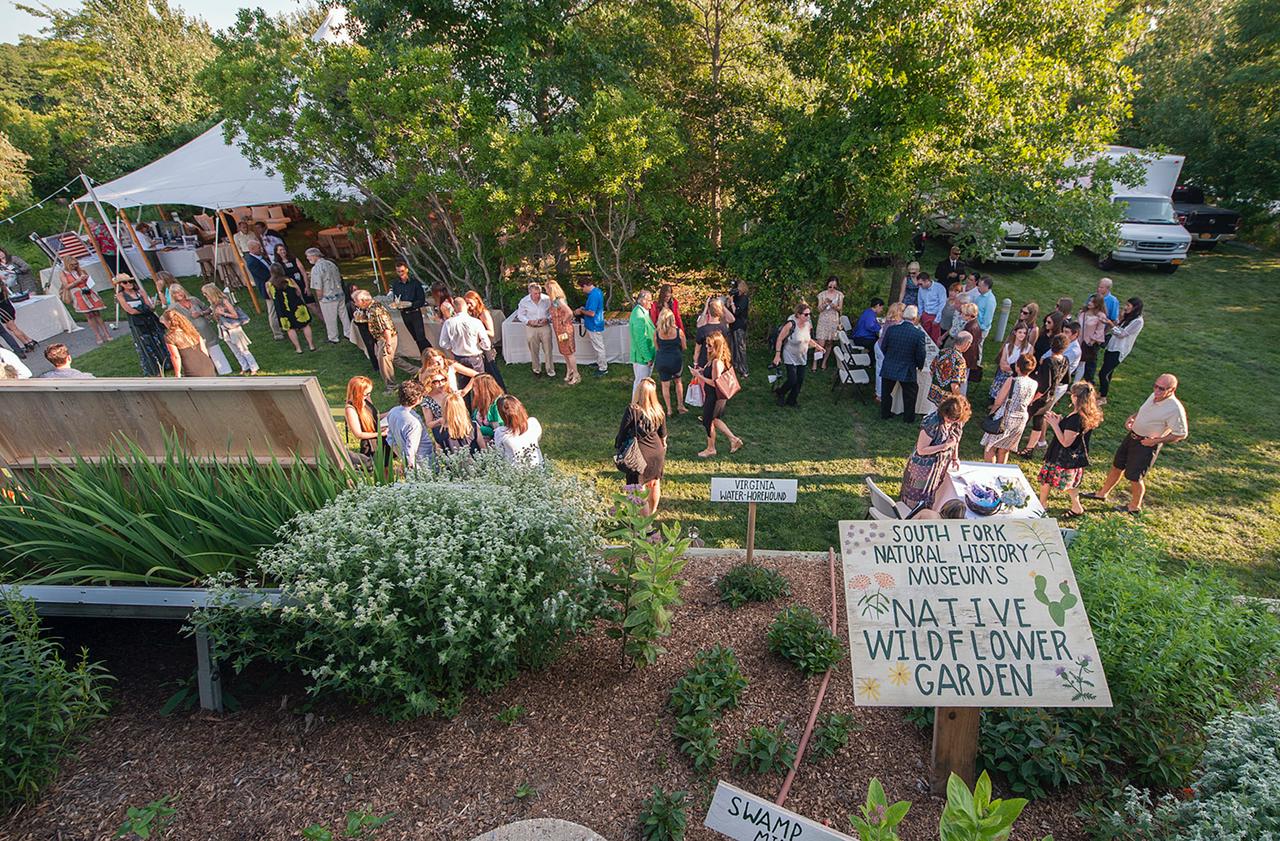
{"points": [[84, 300], [935, 451], [1010, 407], [562, 328], [830, 302]]}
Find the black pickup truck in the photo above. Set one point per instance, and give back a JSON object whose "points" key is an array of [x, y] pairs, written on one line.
{"points": [[1207, 224]]}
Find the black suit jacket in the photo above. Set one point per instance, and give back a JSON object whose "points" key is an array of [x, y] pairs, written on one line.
{"points": [[944, 268]]}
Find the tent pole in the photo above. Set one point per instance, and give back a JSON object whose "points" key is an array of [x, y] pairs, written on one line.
{"points": [[133, 235], [244, 270], [93, 241], [377, 261], [120, 249]]}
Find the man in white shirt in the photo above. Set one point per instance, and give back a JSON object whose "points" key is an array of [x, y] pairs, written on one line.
{"points": [[326, 282], [464, 336], [268, 239], [534, 312], [1161, 420]]}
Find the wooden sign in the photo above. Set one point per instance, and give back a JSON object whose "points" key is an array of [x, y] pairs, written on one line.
{"points": [[753, 490], [967, 613], [741, 815]]}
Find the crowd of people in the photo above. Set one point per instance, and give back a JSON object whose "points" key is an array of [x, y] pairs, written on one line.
{"points": [[1040, 360]]}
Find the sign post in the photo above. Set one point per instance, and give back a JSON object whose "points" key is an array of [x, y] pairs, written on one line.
{"points": [[752, 491], [964, 614]]}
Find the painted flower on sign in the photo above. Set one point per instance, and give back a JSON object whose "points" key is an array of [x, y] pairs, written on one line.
{"points": [[860, 582], [884, 579], [899, 674], [869, 687]]}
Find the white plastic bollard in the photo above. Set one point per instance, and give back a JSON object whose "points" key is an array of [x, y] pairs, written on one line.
{"points": [[1003, 323]]}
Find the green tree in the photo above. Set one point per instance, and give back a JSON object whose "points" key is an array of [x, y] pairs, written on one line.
{"points": [[119, 79], [15, 183], [970, 108], [392, 134]]}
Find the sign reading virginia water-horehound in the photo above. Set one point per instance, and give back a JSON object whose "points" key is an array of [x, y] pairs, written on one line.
{"points": [[741, 815], [752, 491], [965, 613]]}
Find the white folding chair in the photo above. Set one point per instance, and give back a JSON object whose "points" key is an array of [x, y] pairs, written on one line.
{"points": [[879, 515], [846, 326], [847, 373]]}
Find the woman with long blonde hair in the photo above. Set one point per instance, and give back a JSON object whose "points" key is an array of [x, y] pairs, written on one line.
{"points": [[719, 360], [458, 433], [1068, 452], [434, 362], [645, 423], [230, 327], [187, 349], [562, 327], [668, 362]]}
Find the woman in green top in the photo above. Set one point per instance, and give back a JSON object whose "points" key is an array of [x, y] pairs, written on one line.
{"points": [[485, 392], [643, 335]]}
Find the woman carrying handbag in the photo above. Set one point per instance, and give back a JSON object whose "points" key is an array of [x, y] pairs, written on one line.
{"points": [[640, 448], [719, 383]]}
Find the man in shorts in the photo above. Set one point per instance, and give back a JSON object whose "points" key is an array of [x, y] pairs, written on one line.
{"points": [[1160, 420]]}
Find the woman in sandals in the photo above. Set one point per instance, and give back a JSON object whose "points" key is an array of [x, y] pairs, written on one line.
{"points": [[719, 360], [1068, 453]]}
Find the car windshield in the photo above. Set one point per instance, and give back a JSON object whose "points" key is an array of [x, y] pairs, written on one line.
{"points": [[1154, 210]]}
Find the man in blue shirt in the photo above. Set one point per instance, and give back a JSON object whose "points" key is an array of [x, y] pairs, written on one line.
{"points": [[593, 320], [986, 301], [932, 299], [1109, 301], [867, 330], [406, 433]]}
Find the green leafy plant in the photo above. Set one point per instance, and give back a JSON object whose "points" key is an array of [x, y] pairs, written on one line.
{"points": [[697, 740], [125, 519], [831, 734], [511, 714], [1178, 650], [525, 791], [713, 684], [643, 580], [45, 703], [495, 571], [186, 694], [752, 583], [148, 821], [1235, 798], [765, 751], [798, 635], [879, 820], [359, 823], [662, 815], [974, 816]]}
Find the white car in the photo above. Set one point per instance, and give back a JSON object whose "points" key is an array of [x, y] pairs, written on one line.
{"points": [[1019, 247]]}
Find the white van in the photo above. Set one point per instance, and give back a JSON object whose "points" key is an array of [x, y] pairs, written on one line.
{"points": [[1018, 244], [1150, 232]]}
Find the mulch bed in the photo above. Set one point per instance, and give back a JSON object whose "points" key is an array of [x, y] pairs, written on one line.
{"points": [[594, 742]]}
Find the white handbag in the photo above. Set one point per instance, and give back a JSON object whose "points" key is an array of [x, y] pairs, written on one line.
{"points": [[693, 395]]}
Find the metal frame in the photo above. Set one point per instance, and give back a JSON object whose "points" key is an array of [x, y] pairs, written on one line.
{"points": [[139, 603]]}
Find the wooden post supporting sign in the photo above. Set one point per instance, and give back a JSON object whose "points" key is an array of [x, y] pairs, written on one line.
{"points": [[955, 746], [752, 491]]}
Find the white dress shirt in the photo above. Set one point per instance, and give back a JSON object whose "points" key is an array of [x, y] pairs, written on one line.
{"points": [[530, 311], [464, 335]]}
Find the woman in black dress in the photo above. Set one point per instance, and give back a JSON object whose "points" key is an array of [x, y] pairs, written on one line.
{"points": [[669, 360], [144, 324], [290, 308], [645, 421], [297, 273], [719, 360]]}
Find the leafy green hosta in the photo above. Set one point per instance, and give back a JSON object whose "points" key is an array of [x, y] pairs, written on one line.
{"points": [[765, 751], [798, 635], [125, 519]]}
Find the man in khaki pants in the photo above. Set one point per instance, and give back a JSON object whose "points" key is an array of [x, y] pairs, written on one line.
{"points": [[326, 282], [534, 312], [383, 330]]}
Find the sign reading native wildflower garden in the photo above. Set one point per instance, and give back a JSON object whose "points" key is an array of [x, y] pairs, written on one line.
{"points": [[964, 613]]}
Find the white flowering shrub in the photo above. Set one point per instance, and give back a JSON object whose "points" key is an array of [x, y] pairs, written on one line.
{"points": [[409, 595], [1237, 797]]}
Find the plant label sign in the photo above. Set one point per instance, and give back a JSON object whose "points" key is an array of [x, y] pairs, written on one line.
{"points": [[967, 613], [741, 815], [753, 490]]}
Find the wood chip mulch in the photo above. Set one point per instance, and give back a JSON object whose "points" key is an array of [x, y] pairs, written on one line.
{"points": [[594, 742]]}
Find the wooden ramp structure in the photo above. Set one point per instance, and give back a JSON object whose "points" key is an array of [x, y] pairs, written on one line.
{"points": [[50, 421]]}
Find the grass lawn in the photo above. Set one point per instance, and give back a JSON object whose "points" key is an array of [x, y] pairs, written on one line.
{"points": [[1215, 498]]}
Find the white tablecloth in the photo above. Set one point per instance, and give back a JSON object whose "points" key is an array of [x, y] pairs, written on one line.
{"points": [[617, 344], [983, 473], [44, 316], [180, 262]]}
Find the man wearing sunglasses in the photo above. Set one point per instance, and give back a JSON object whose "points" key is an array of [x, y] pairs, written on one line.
{"points": [[1160, 420]]}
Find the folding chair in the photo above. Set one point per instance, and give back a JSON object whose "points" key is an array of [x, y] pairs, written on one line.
{"points": [[846, 326], [883, 503], [849, 374], [876, 514]]}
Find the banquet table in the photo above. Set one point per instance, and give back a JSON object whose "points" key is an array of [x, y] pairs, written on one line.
{"points": [[981, 472], [617, 343], [43, 316]]}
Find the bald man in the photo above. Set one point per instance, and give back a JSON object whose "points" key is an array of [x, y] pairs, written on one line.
{"points": [[1160, 420]]}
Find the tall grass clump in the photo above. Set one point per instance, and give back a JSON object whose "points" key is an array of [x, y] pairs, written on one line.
{"points": [[126, 519]]}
